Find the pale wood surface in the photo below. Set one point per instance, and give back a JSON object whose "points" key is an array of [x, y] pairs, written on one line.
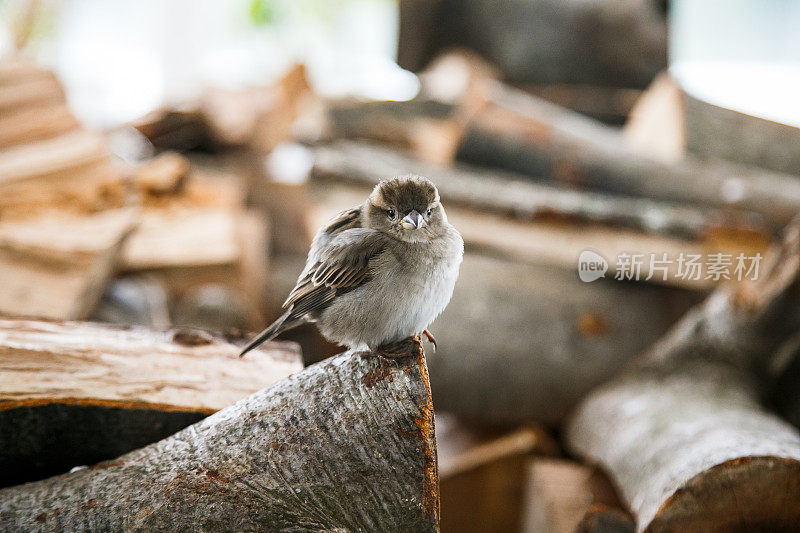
{"points": [[56, 266], [683, 433]]}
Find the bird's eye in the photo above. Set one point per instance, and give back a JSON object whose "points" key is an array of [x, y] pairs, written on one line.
{"points": [[390, 213], [429, 212]]}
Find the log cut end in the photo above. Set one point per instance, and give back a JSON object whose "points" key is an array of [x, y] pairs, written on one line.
{"points": [[743, 494], [347, 443]]}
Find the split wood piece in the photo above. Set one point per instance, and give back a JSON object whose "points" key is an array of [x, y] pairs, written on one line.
{"points": [[72, 171], [193, 247], [521, 133], [31, 93], [165, 174], [257, 117], [76, 393], [564, 223], [35, 123], [683, 433], [564, 497], [181, 129], [682, 121], [56, 266], [482, 473], [347, 444]]}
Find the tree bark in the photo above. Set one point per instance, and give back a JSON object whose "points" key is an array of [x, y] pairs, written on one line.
{"points": [[521, 133], [77, 393], [347, 444], [683, 433], [515, 194]]}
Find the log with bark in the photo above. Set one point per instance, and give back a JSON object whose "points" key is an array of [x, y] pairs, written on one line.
{"points": [[56, 265], [683, 433], [33, 106], [347, 444], [507, 214], [686, 122], [75, 393], [521, 133]]}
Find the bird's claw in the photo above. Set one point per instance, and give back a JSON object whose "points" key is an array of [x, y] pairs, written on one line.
{"points": [[430, 338]]}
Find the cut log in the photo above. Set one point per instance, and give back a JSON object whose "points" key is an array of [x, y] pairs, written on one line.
{"points": [[482, 473], [548, 225], [56, 266], [77, 393], [347, 444], [71, 172], [162, 175], [35, 123], [683, 433], [564, 497], [521, 133], [712, 131]]}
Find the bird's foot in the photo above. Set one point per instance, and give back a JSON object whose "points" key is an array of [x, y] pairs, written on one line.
{"points": [[410, 346], [431, 338]]}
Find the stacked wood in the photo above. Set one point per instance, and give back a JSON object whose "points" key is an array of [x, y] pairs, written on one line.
{"points": [[482, 473], [518, 132], [198, 236], [683, 433], [77, 393], [46, 160], [347, 444], [559, 337], [57, 265], [606, 42], [686, 122], [32, 105], [566, 497], [71, 172]]}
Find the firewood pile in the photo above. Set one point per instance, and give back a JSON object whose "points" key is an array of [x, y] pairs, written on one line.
{"points": [[620, 353]]}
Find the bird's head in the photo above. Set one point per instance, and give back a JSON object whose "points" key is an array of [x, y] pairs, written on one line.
{"points": [[407, 208]]}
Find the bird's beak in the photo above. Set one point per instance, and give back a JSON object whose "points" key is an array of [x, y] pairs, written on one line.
{"points": [[413, 220]]}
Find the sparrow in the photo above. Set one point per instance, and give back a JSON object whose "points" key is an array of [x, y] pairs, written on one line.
{"points": [[378, 273]]}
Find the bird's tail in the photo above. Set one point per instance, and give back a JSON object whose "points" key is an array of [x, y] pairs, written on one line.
{"points": [[272, 331]]}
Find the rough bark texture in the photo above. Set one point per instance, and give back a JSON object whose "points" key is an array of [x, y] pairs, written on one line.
{"points": [[521, 133], [347, 444], [683, 433], [77, 393], [714, 131]]}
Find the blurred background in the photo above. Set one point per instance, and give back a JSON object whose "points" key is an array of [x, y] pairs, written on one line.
{"points": [[166, 164]]}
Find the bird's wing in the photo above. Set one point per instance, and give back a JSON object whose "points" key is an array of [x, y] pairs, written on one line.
{"points": [[342, 265]]}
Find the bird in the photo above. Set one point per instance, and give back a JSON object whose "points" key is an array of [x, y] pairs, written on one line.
{"points": [[379, 273]]}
